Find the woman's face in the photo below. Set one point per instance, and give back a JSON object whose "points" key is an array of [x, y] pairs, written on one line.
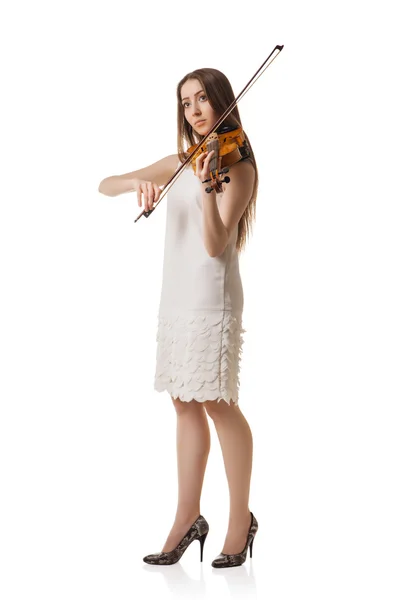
{"points": [[196, 107]]}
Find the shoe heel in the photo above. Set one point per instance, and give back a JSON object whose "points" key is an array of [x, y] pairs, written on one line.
{"points": [[251, 548], [202, 539]]}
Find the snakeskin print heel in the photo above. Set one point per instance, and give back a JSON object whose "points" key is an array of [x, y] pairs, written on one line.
{"points": [[235, 560], [198, 531]]}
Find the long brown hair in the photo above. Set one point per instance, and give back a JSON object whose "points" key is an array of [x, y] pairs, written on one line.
{"points": [[220, 95]]}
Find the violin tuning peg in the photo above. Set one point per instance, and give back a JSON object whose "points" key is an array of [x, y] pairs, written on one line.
{"points": [[226, 179], [224, 170], [209, 189]]}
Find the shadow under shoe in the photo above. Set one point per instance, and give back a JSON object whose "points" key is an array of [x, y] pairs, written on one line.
{"points": [[235, 560], [198, 531]]}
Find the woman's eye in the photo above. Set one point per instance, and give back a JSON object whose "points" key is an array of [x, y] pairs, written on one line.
{"points": [[185, 104]]}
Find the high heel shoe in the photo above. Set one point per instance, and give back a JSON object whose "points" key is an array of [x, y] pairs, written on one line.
{"points": [[198, 531], [235, 560]]}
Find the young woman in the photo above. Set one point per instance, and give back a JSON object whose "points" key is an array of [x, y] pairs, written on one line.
{"points": [[199, 338]]}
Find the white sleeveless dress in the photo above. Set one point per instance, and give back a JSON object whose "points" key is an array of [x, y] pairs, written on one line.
{"points": [[199, 334]]}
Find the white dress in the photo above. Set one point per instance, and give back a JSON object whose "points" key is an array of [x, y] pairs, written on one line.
{"points": [[199, 335]]}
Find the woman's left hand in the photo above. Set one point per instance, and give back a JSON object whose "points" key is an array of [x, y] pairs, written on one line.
{"points": [[202, 165]]}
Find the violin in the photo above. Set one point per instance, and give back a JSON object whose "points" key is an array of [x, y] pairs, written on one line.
{"points": [[229, 146]]}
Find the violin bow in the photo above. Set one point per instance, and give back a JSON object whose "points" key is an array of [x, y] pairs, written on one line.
{"points": [[227, 112]]}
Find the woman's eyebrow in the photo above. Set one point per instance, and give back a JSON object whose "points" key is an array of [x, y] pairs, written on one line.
{"points": [[195, 95]]}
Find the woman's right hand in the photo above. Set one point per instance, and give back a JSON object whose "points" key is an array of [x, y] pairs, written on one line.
{"points": [[151, 193]]}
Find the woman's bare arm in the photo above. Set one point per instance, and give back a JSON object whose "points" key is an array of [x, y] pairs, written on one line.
{"points": [[159, 172]]}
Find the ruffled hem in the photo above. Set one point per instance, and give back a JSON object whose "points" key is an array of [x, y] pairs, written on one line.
{"points": [[198, 356]]}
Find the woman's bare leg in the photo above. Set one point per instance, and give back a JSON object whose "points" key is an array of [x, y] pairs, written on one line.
{"points": [[193, 447], [236, 441]]}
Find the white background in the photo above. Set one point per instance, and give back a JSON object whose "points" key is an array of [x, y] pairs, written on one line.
{"points": [[87, 447]]}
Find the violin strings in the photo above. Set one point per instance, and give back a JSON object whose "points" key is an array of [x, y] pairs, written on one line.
{"points": [[220, 120]]}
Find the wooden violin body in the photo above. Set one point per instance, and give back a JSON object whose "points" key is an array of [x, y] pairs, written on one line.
{"points": [[229, 147]]}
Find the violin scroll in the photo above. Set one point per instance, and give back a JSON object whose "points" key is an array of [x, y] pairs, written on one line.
{"points": [[228, 152]]}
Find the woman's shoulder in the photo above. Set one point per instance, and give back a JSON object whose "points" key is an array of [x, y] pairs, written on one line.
{"points": [[169, 164], [171, 160], [242, 175], [244, 167]]}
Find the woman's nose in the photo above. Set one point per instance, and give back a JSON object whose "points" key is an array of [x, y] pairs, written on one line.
{"points": [[196, 111]]}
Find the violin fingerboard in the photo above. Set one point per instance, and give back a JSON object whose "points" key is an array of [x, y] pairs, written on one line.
{"points": [[214, 162]]}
